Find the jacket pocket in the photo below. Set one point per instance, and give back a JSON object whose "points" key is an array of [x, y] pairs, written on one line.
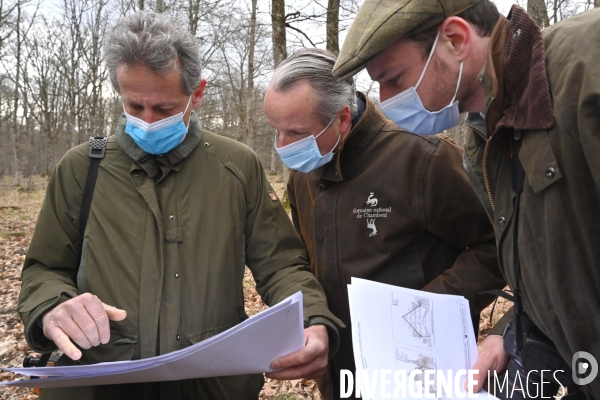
{"points": [[205, 334], [539, 162], [121, 349]]}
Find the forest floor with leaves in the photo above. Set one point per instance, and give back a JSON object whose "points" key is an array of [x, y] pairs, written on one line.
{"points": [[19, 208]]}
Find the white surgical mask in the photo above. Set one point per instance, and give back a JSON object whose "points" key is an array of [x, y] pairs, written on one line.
{"points": [[304, 155], [407, 110]]}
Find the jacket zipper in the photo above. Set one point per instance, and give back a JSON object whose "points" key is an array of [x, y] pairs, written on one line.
{"points": [[486, 153], [481, 200], [486, 177], [488, 215], [485, 156]]}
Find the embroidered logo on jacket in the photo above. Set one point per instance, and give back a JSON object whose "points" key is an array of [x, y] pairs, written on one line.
{"points": [[371, 225], [372, 201], [372, 213]]}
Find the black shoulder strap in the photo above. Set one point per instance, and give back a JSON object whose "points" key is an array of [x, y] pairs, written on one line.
{"points": [[97, 150], [518, 181]]}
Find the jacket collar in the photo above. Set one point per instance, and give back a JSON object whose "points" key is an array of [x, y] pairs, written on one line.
{"points": [[173, 157], [514, 79], [360, 137]]}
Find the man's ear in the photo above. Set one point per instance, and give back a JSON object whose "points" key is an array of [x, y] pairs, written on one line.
{"points": [[456, 37], [345, 120], [198, 94]]}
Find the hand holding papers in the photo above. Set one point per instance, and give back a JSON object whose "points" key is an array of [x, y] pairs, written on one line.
{"points": [[247, 348], [407, 343], [310, 362]]}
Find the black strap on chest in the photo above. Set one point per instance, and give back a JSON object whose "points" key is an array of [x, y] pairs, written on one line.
{"points": [[97, 150], [518, 181]]}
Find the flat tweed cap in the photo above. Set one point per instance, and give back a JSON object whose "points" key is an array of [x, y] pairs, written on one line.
{"points": [[379, 23]]}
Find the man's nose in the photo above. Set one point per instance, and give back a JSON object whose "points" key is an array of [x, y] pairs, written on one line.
{"points": [[149, 117], [283, 140], [385, 93]]}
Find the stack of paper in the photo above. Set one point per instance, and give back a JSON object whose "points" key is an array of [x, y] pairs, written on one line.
{"points": [[396, 331], [247, 348]]}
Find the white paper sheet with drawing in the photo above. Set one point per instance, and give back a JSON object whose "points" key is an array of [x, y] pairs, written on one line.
{"points": [[249, 347], [399, 329]]}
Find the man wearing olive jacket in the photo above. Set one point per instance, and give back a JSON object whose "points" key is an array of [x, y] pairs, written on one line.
{"points": [[373, 201], [177, 213]]}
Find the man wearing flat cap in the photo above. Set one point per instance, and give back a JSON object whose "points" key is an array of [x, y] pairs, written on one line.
{"points": [[533, 157]]}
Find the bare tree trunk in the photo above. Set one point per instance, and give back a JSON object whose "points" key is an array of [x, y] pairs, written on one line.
{"points": [[333, 26], [96, 77], [279, 54], [193, 15], [5, 21], [14, 134], [538, 11], [279, 37], [250, 92]]}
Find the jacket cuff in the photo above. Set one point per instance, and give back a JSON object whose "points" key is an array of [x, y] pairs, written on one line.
{"points": [[322, 311], [332, 332], [506, 319], [34, 333]]}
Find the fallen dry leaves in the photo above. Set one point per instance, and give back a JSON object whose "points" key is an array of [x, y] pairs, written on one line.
{"points": [[18, 212]]}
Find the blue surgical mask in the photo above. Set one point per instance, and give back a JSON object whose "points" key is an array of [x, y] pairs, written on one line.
{"points": [[304, 155], [157, 137], [408, 112]]}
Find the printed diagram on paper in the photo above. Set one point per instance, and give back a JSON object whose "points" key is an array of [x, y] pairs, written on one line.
{"points": [[412, 320], [411, 331], [412, 326], [409, 360]]}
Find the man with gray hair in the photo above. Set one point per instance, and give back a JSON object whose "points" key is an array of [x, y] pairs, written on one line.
{"points": [[177, 213], [373, 201]]}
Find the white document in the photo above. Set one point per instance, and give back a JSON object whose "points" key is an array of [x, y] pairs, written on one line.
{"points": [[398, 329], [247, 348]]}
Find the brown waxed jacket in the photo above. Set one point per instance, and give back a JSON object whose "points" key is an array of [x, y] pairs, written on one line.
{"points": [[167, 240], [397, 208], [545, 89]]}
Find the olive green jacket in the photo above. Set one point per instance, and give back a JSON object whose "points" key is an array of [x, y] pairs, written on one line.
{"points": [[167, 240], [545, 91]]}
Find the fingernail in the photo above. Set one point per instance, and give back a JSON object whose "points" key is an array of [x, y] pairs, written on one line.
{"points": [[275, 364]]}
